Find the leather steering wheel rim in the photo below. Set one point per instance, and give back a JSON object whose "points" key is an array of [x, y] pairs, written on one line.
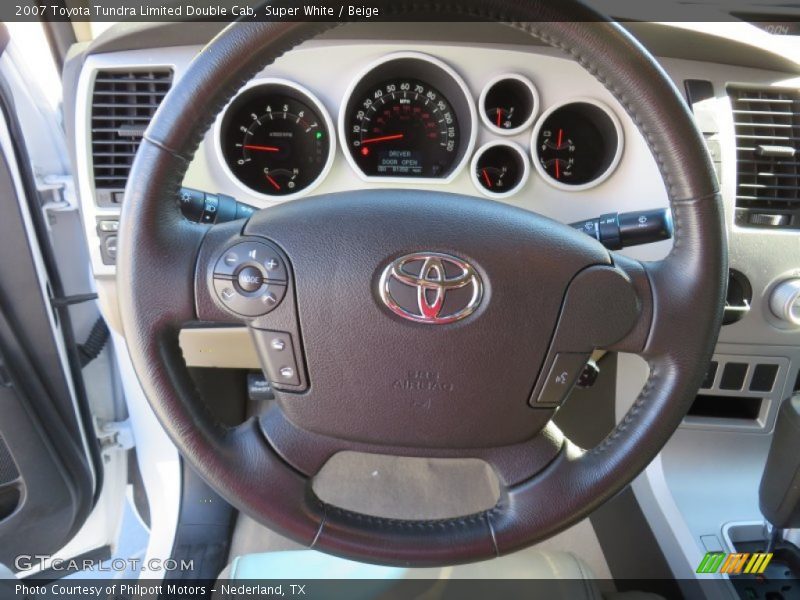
{"points": [[681, 300]]}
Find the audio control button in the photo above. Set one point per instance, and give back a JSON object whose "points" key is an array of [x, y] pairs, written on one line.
{"points": [[252, 254], [249, 304], [249, 279]]}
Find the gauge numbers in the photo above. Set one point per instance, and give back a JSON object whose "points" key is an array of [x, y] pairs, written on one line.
{"points": [[403, 128], [275, 140], [577, 145]]}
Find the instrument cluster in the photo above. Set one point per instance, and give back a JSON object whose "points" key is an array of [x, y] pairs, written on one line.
{"points": [[410, 118]]}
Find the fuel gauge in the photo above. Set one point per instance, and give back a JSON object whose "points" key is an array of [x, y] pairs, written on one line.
{"points": [[509, 104], [500, 169]]}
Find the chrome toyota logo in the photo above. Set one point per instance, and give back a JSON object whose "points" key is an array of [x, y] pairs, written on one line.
{"points": [[428, 287]]}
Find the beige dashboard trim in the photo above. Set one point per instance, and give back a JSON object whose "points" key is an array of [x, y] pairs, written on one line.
{"points": [[220, 347]]}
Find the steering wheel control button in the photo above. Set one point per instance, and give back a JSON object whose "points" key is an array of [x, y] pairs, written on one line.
{"points": [[269, 299], [249, 303], [255, 254], [563, 376], [249, 279], [278, 358]]}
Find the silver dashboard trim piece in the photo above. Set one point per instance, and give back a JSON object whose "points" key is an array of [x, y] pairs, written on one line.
{"points": [[473, 116], [317, 104], [90, 211]]}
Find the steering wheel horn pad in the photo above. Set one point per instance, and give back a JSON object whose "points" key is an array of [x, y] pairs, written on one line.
{"points": [[365, 378], [380, 379]]}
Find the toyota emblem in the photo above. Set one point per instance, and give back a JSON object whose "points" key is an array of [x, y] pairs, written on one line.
{"points": [[429, 287]]}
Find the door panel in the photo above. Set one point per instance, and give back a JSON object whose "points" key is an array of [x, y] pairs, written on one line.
{"points": [[47, 478]]}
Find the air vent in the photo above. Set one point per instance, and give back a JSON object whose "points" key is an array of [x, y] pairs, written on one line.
{"points": [[767, 123], [123, 102]]}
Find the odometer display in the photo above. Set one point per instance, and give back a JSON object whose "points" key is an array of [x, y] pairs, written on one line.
{"points": [[403, 128], [275, 139]]}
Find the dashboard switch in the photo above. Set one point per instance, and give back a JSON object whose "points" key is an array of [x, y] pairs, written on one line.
{"points": [[733, 376], [644, 227], [563, 375], [620, 230], [784, 301], [763, 379], [201, 207]]}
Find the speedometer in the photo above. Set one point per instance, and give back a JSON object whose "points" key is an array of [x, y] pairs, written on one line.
{"points": [[403, 128], [408, 116], [276, 139]]}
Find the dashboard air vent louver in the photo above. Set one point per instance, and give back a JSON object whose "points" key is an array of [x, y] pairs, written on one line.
{"points": [[123, 102], [767, 126]]}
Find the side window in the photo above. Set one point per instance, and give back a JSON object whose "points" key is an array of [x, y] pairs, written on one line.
{"points": [[31, 51]]}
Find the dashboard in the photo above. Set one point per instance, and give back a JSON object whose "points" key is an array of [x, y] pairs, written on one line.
{"points": [[529, 128], [478, 114], [477, 120]]}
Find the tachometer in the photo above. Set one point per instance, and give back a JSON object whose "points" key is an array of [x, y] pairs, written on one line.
{"points": [[276, 139], [404, 128], [398, 124]]}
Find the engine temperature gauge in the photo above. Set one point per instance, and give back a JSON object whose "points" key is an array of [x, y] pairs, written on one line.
{"points": [[577, 145], [500, 169]]}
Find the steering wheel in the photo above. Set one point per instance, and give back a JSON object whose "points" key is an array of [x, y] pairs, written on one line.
{"points": [[508, 305]]}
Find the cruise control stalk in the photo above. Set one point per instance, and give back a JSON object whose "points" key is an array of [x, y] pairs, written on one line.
{"points": [[620, 230]]}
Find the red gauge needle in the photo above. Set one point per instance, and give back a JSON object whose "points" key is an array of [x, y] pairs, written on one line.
{"points": [[486, 178], [558, 170], [262, 148], [499, 116], [383, 138], [560, 138], [274, 183]]}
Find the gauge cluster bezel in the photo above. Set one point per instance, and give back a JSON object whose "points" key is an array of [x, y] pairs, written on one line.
{"points": [[470, 115], [303, 94], [438, 74]]}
